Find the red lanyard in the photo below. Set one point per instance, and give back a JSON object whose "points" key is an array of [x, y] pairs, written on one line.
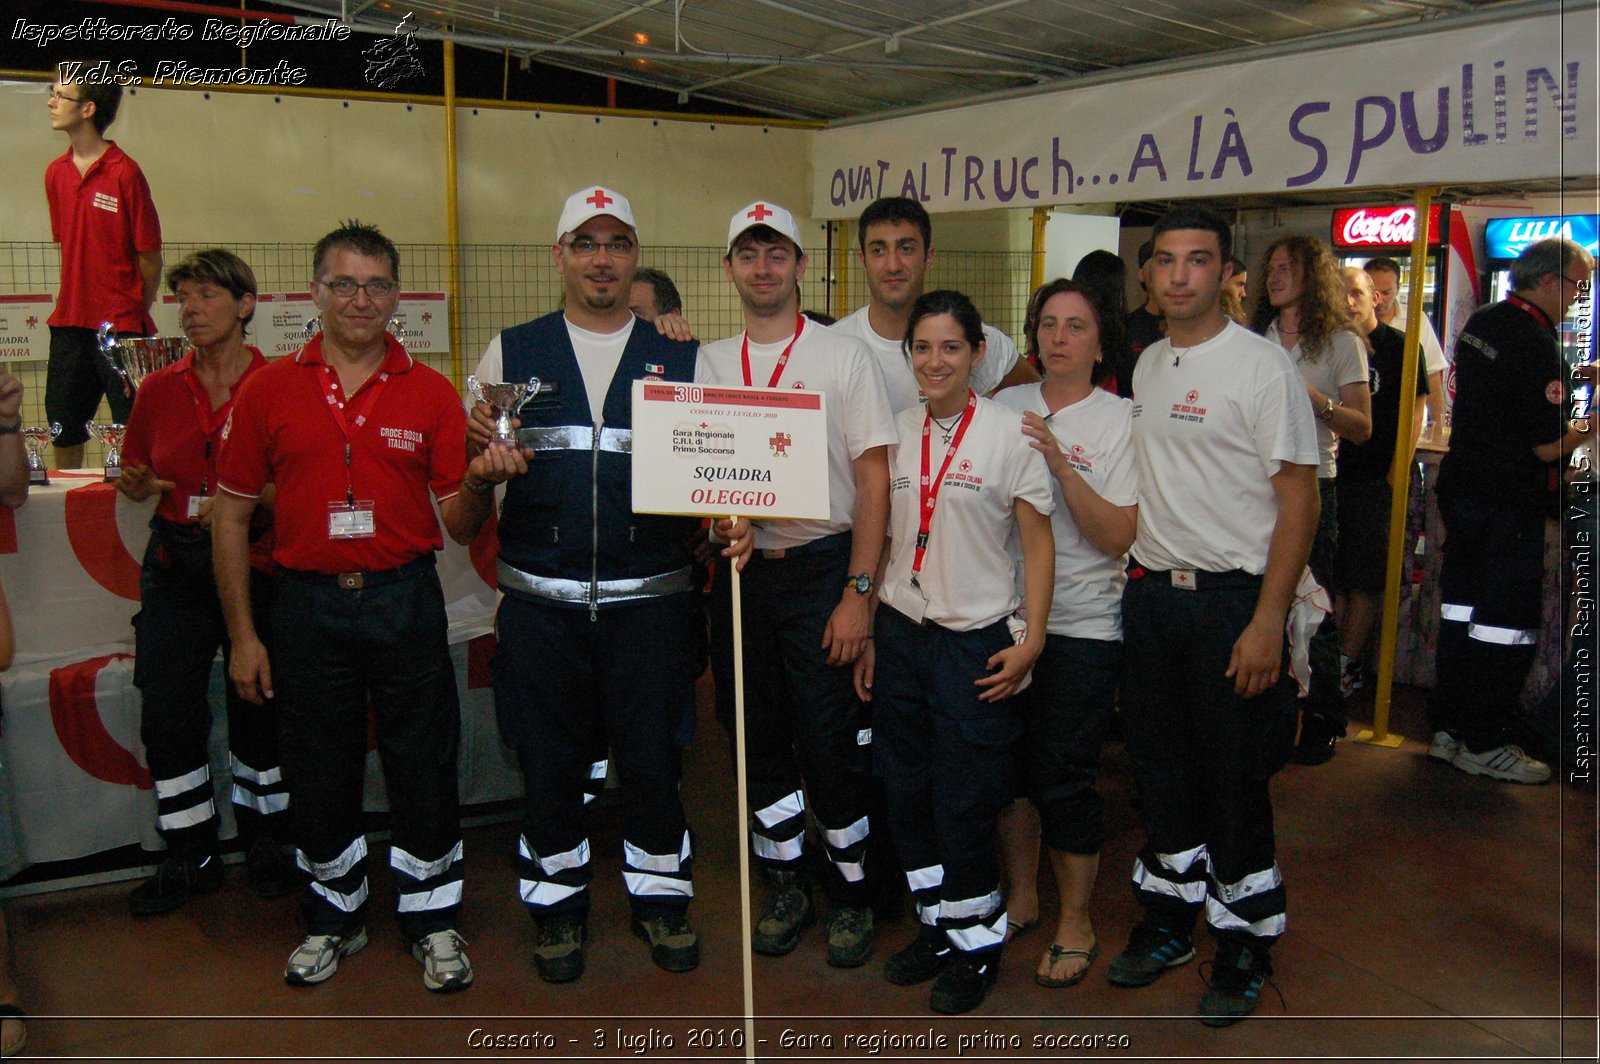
{"points": [[210, 420], [930, 489], [331, 392], [783, 359]]}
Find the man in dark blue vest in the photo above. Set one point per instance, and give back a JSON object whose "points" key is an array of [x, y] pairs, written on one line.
{"points": [[597, 630]]}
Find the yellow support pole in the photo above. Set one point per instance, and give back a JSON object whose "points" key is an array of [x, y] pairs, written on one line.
{"points": [[841, 272], [451, 219], [1041, 218], [1400, 475]]}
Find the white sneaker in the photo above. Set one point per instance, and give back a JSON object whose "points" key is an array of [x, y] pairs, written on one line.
{"points": [[1444, 746], [445, 967], [318, 957], [1507, 762]]}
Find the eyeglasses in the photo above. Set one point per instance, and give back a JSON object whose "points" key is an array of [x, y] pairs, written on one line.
{"points": [[56, 97], [1574, 282], [583, 247], [345, 288]]}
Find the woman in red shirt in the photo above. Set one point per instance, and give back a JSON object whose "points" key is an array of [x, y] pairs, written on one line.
{"points": [[174, 434]]}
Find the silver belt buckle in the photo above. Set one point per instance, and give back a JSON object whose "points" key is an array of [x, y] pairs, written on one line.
{"points": [[1183, 578], [351, 581], [773, 553]]}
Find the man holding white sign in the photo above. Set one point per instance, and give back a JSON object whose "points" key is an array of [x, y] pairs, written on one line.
{"points": [[598, 626], [805, 597]]}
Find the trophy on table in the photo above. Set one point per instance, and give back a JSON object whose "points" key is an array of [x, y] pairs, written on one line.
{"points": [[505, 400], [136, 357], [109, 436], [35, 438]]}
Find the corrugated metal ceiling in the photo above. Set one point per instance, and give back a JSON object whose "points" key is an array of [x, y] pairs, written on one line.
{"points": [[838, 59]]}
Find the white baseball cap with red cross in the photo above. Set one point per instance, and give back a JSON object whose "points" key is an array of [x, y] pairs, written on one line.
{"points": [[762, 212], [591, 202]]}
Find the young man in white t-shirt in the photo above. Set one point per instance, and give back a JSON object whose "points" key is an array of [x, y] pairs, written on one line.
{"points": [[896, 250], [1305, 312], [1226, 452], [804, 598]]}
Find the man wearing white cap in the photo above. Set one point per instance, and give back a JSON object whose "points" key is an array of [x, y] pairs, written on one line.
{"points": [[597, 627], [805, 596]]}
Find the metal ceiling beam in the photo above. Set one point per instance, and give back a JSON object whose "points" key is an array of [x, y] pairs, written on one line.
{"points": [[596, 27], [917, 30]]}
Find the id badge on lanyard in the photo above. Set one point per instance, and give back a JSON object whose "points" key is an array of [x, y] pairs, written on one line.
{"points": [[353, 518]]}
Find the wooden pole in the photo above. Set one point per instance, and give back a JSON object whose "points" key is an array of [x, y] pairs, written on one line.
{"points": [[744, 811], [1400, 476]]}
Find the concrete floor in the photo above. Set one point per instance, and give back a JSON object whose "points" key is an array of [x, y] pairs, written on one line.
{"points": [[1432, 915]]}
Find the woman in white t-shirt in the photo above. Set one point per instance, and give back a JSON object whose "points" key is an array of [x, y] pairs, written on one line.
{"points": [[1085, 434], [946, 661]]}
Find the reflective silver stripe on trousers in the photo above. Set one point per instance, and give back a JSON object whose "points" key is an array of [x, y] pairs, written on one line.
{"points": [[552, 587], [576, 438]]}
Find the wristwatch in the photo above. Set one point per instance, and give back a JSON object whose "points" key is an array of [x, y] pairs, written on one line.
{"points": [[862, 583], [1326, 413]]}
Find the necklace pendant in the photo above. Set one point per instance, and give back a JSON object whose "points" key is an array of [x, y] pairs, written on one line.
{"points": [[947, 439]]}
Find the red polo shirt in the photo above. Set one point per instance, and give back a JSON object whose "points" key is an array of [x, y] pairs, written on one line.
{"points": [[174, 431], [284, 430], [102, 220]]}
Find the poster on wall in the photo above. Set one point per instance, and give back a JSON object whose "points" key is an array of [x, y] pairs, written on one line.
{"points": [[284, 321], [23, 333]]}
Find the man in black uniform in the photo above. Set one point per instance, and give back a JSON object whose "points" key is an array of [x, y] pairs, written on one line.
{"points": [[1498, 484], [597, 627]]}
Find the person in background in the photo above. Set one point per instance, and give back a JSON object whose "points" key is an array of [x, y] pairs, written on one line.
{"points": [[653, 294], [13, 455], [1498, 485], [1386, 275], [1300, 305], [1226, 452], [952, 649], [1106, 275], [1365, 482], [1085, 435], [103, 217], [1142, 326], [896, 238], [13, 493], [1233, 293], [171, 453]]}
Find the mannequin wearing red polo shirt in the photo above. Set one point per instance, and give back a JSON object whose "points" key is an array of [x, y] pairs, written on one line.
{"points": [[103, 217]]}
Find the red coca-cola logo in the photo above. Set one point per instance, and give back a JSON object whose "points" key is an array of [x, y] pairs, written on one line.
{"points": [[1381, 226], [1397, 226]]}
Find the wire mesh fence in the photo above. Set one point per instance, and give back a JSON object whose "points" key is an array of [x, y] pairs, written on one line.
{"points": [[505, 284]]}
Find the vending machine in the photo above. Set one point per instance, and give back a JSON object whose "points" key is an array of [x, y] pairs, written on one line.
{"points": [[1362, 233], [1505, 238]]}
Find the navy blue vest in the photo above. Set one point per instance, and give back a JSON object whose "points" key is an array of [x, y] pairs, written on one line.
{"points": [[571, 516]]}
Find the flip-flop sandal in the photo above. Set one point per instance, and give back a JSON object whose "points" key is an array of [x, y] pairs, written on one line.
{"points": [[1056, 953], [14, 1012], [1013, 929]]}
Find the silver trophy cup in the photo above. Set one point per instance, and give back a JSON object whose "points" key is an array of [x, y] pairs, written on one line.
{"points": [[135, 358], [505, 400], [110, 437], [36, 438]]}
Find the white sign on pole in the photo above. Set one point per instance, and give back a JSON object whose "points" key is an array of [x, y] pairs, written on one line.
{"points": [[720, 452], [23, 333]]}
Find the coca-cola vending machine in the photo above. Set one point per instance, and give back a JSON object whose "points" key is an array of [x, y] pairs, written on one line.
{"points": [[1363, 233]]}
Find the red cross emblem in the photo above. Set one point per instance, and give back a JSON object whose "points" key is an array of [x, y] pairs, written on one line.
{"points": [[427, 316], [966, 466], [33, 321], [760, 213], [702, 424], [1077, 448], [1191, 397], [599, 199], [780, 443]]}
